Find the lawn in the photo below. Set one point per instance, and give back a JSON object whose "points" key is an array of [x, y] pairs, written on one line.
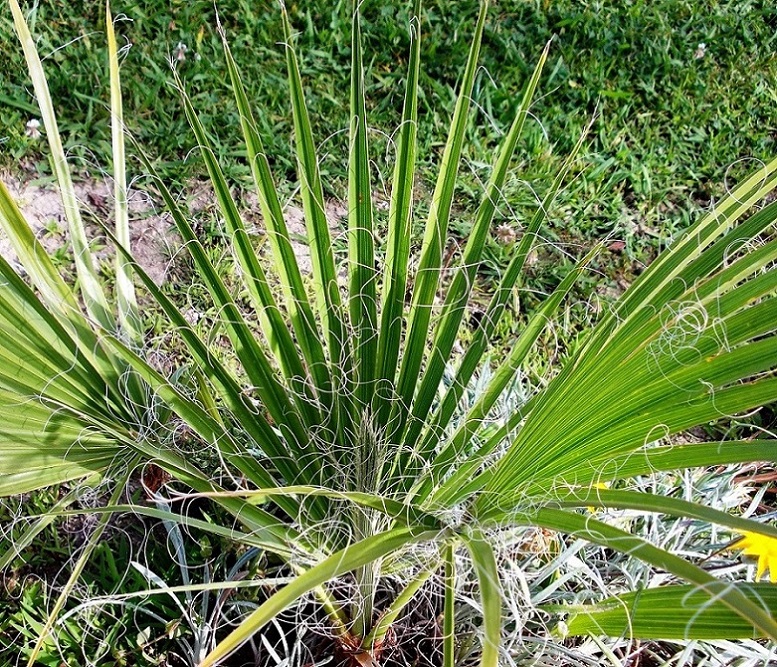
{"points": [[682, 93]]}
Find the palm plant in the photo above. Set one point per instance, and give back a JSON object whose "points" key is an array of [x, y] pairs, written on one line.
{"points": [[330, 406]]}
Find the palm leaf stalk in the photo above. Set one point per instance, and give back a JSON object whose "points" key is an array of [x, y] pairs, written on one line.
{"points": [[330, 406]]}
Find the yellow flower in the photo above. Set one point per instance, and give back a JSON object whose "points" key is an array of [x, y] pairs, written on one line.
{"points": [[598, 485], [763, 547]]}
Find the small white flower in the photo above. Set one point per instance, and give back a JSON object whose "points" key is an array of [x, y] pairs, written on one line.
{"points": [[700, 51], [192, 316], [32, 128], [179, 52], [506, 234]]}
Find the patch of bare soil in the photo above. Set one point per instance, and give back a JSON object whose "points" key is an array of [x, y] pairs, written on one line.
{"points": [[153, 240], [151, 237]]}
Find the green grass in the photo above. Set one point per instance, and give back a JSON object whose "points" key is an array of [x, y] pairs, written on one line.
{"points": [[118, 630], [670, 126]]}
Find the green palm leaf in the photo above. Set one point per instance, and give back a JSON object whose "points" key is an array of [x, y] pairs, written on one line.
{"points": [[327, 291], [363, 275], [127, 306], [734, 598], [284, 260], [435, 235], [400, 216], [94, 297], [644, 614], [458, 293]]}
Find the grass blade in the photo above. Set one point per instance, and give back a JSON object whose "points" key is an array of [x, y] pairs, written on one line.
{"points": [[20, 542], [449, 609], [78, 568]]}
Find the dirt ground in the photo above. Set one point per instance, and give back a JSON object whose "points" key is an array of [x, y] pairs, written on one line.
{"points": [[153, 239]]}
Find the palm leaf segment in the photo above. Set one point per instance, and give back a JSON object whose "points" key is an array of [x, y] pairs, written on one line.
{"points": [[337, 399]]}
